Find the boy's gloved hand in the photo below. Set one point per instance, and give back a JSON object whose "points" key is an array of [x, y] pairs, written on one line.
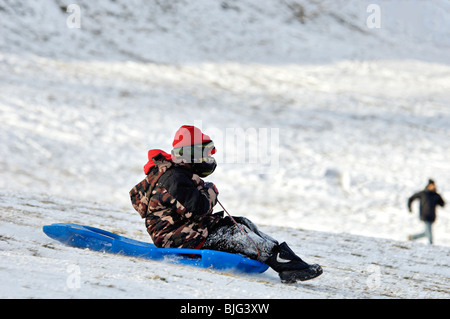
{"points": [[212, 186], [212, 194]]}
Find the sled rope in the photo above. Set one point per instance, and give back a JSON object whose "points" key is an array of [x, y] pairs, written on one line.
{"points": [[242, 229]]}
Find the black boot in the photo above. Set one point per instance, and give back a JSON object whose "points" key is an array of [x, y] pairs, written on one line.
{"points": [[290, 267]]}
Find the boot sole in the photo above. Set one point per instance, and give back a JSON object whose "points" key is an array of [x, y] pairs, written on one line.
{"points": [[292, 276]]}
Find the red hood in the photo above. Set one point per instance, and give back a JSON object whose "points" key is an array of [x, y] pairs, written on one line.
{"points": [[151, 154]]}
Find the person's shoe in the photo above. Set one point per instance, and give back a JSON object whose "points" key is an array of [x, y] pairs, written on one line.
{"points": [[283, 258], [290, 267], [292, 276]]}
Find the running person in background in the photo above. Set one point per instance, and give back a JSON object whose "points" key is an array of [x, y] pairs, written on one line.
{"points": [[429, 199], [177, 206]]}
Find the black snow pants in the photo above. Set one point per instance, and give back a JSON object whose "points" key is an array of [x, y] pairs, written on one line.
{"points": [[228, 237]]}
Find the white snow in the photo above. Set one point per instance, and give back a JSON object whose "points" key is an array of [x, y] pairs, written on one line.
{"points": [[346, 123]]}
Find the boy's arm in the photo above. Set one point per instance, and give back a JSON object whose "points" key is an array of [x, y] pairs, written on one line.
{"points": [[441, 202], [195, 199], [411, 199]]}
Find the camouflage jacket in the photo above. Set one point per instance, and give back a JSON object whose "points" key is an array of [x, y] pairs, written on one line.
{"points": [[176, 207]]}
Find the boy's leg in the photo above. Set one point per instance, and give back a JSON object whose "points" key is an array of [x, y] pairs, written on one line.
{"points": [[428, 232], [416, 236], [247, 222], [230, 238], [425, 233]]}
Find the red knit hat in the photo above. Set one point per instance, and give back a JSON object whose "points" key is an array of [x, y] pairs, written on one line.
{"points": [[189, 135]]}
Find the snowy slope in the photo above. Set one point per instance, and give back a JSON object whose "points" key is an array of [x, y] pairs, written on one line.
{"points": [[249, 31], [35, 266], [349, 153], [358, 119]]}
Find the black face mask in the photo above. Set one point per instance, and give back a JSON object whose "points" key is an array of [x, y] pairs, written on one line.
{"points": [[205, 168], [199, 156]]}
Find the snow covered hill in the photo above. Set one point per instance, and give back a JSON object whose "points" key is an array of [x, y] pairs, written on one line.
{"points": [[35, 266], [248, 31], [345, 122]]}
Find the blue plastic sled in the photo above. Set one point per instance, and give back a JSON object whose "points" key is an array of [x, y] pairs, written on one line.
{"points": [[104, 241]]}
